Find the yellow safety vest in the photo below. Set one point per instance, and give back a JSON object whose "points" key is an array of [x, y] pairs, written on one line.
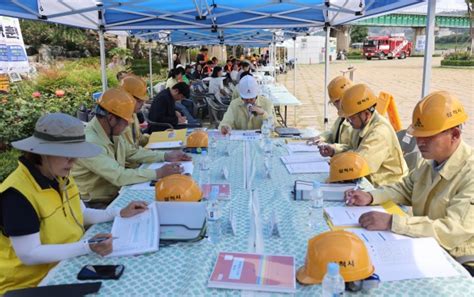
{"points": [[57, 226]]}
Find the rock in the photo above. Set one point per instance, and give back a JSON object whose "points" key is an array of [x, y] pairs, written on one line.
{"points": [[44, 54]]}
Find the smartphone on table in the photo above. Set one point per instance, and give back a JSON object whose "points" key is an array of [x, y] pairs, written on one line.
{"points": [[100, 272]]}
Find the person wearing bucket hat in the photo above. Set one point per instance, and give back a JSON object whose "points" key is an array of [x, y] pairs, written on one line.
{"points": [[373, 137], [249, 112], [341, 131], [100, 178], [440, 189], [42, 218], [135, 87]]}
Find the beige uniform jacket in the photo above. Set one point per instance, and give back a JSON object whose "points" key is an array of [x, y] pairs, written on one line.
{"points": [[443, 202], [237, 116], [379, 145], [133, 135], [340, 134], [100, 178]]}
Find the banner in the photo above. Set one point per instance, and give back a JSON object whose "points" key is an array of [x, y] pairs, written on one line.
{"points": [[420, 43], [13, 56]]}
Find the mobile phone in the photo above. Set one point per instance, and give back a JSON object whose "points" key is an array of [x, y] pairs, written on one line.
{"points": [[100, 272]]}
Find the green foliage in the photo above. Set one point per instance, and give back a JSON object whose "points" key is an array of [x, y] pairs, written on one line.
{"points": [[454, 38], [123, 53], [141, 67], [359, 33], [461, 55], [8, 163], [20, 110], [457, 63]]}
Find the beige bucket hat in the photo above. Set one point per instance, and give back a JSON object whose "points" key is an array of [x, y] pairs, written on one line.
{"points": [[58, 134]]}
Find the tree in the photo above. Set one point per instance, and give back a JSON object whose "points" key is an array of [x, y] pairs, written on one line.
{"points": [[359, 33], [470, 13]]}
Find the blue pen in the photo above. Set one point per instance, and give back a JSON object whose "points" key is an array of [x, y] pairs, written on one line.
{"points": [[99, 239]]}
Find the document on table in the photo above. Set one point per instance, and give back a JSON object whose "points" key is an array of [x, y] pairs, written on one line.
{"points": [[349, 215], [165, 145], [245, 135], [303, 158], [301, 147], [136, 235], [335, 192], [411, 258], [370, 237], [187, 166], [311, 167]]}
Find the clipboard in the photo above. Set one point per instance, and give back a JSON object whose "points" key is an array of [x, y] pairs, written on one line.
{"points": [[167, 136], [181, 221]]}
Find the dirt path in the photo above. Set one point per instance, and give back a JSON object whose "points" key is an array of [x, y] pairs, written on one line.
{"points": [[401, 78]]}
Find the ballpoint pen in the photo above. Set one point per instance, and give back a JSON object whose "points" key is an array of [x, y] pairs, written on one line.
{"points": [[99, 239]]}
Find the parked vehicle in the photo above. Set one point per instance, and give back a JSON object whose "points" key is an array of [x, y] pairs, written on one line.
{"points": [[387, 47]]}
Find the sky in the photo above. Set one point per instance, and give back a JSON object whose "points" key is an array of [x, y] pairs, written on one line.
{"points": [[443, 5]]}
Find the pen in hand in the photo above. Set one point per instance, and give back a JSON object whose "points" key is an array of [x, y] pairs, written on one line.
{"points": [[99, 239]]}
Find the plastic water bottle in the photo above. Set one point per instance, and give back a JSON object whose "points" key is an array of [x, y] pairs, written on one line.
{"points": [[204, 165], [213, 219], [316, 195], [333, 283], [204, 172]]}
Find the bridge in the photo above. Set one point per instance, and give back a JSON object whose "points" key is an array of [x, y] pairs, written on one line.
{"points": [[415, 20]]}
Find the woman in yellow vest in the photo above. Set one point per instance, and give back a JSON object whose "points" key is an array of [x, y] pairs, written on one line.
{"points": [[41, 215]]}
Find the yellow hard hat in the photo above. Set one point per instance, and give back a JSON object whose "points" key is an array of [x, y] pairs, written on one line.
{"points": [[198, 138], [119, 103], [341, 247], [177, 187], [337, 87], [135, 86], [357, 98], [436, 113], [347, 166]]}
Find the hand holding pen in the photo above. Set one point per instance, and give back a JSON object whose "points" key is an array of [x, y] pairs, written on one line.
{"points": [[101, 244], [356, 197]]}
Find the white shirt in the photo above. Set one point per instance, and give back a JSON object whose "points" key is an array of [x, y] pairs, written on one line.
{"points": [[216, 84]]}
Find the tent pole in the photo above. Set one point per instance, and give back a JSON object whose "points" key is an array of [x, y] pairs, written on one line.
{"points": [[150, 61], [294, 78], [326, 74], [429, 47], [103, 68]]}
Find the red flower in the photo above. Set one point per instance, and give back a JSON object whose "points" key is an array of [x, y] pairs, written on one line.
{"points": [[36, 94], [60, 93]]}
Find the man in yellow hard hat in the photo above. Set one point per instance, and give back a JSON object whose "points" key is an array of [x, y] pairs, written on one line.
{"points": [[249, 112], [374, 138], [340, 133], [100, 178], [135, 87], [348, 167], [440, 189]]}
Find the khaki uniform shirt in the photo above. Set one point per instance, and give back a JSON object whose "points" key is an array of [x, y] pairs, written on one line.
{"points": [[340, 134], [443, 202], [237, 116], [134, 136], [378, 144], [100, 178]]}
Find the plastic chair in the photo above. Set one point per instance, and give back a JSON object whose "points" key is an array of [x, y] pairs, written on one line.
{"points": [[216, 110]]}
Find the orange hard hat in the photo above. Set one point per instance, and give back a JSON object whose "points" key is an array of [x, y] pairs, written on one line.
{"points": [[357, 98], [347, 166], [341, 247], [197, 139], [135, 86], [337, 87], [436, 113], [177, 187], [118, 102]]}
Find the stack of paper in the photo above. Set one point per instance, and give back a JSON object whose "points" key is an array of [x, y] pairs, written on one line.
{"points": [[136, 235], [188, 168], [299, 147], [303, 158], [311, 167], [245, 271], [397, 257], [335, 192], [348, 215]]}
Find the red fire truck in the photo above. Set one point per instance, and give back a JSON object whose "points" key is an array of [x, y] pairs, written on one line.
{"points": [[387, 47]]}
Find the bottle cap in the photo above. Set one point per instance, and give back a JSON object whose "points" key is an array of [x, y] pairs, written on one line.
{"points": [[333, 268], [204, 153], [316, 184]]}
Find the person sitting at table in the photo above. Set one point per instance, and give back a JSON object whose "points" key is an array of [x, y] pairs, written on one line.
{"points": [[348, 167], [341, 131], [235, 92], [135, 87], [234, 74], [441, 188], [99, 178], [207, 69], [249, 112], [42, 218], [175, 76], [373, 138]]}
